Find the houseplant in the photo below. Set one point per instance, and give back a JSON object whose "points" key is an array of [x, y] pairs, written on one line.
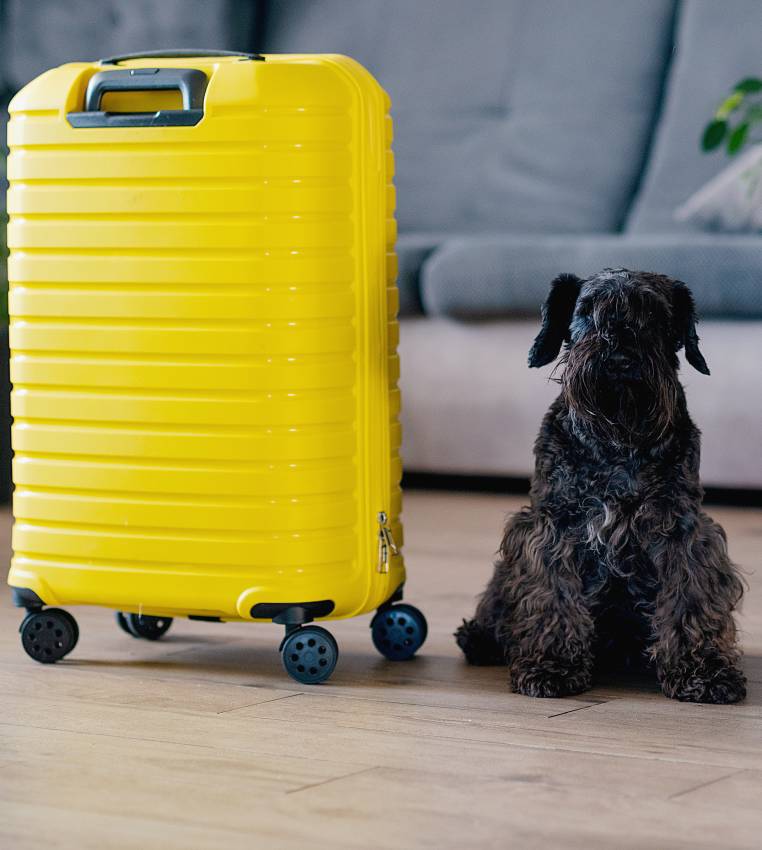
{"points": [[734, 121], [731, 202]]}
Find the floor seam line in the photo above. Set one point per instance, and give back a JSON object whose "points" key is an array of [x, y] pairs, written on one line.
{"points": [[524, 746], [332, 779], [705, 784], [260, 702], [581, 708]]}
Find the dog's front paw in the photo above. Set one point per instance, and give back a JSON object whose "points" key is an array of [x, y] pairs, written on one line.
{"points": [[479, 645], [722, 686], [541, 682]]}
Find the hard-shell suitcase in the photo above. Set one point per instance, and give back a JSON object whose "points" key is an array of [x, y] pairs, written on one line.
{"points": [[203, 350]]}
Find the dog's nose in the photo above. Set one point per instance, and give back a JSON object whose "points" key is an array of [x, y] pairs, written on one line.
{"points": [[623, 364]]}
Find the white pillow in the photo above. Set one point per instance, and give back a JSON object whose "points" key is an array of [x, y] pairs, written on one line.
{"points": [[731, 202]]}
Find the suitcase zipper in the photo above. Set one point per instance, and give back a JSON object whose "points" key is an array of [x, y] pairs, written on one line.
{"points": [[386, 544]]}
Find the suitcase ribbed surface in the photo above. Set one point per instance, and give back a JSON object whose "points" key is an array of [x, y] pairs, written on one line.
{"points": [[196, 324]]}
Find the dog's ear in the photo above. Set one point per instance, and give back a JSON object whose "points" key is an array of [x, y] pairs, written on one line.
{"points": [[684, 316], [557, 312]]}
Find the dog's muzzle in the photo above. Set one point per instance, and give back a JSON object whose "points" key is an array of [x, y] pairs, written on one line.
{"points": [[623, 366]]}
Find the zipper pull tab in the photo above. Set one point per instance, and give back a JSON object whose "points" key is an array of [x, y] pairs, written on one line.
{"points": [[386, 543]]}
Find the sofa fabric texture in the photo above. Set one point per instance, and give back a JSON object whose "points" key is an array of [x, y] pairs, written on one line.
{"points": [[471, 405], [570, 139], [731, 202], [488, 276], [524, 116], [717, 45], [40, 34]]}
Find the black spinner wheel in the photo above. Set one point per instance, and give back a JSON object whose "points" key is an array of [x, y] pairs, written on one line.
{"points": [[49, 635], [309, 654], [74, 625], [143, 625], [399, 631]]}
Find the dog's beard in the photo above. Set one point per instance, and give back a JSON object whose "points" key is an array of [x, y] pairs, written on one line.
{"points": [[619, 409]]}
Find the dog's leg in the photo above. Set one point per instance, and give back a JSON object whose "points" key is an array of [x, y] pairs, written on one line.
{"points": [[484, 639], [694, 631], [553, 633], [477, 637], [533, 613]]}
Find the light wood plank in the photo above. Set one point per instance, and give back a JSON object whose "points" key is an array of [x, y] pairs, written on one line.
{"points": [[200, 740]]}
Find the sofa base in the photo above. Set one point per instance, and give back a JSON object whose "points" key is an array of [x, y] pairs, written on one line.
{"points": [[472, 406]]}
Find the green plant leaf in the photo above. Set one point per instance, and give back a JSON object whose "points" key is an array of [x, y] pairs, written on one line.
{"points": [[737, 138], [730, 104], [714, 133], [751, 85]]}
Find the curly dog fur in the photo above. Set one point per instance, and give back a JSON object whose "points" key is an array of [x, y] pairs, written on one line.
{"points": [[614, 560]]}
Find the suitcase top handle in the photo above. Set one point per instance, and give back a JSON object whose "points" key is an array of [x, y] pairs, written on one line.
{"points": [[182, 53], [191, 84]]}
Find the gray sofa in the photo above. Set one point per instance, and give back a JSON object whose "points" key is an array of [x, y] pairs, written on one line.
{"points": [[531, 137], [539, 137]]}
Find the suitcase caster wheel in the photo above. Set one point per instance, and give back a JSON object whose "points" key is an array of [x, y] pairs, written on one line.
{"points": [[49, 635], [309, 654], [399, 631], [143, 626]]}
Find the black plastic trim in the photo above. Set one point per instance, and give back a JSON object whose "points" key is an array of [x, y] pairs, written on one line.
{"points": [[201, 618], [23, 597], [397, 595], [181, 53], [190, 82], [162, 118], [387, 603], [292, 612]]}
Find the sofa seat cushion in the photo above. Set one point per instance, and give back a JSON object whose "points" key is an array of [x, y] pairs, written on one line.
{"points": [[510, 274], [413, 250], [471, 405], [517, 115], [717, 46]]}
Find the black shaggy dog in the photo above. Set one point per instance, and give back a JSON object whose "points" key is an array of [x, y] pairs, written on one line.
{"points": [[614, 558]]}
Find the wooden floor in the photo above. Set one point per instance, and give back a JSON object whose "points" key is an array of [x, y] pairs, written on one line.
{"points": [[201, 741]]}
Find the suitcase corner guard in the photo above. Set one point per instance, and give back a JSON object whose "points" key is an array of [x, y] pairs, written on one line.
{"points": [[23, 597], [292, 613]]}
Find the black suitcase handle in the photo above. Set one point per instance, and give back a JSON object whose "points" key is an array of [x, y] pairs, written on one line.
{"points": [[190, 82], [181, 53]]}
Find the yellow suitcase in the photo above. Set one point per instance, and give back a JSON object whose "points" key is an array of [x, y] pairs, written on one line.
{"points": [[203, 350]]}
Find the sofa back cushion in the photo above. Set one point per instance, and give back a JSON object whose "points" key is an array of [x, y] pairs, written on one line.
{"points": [[717, 45], [519, 115], [40, 35]]}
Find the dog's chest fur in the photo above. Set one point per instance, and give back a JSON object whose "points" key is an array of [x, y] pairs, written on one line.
{"points": [[608, 514], [616, 570], [611, 500], [605, 498]]}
